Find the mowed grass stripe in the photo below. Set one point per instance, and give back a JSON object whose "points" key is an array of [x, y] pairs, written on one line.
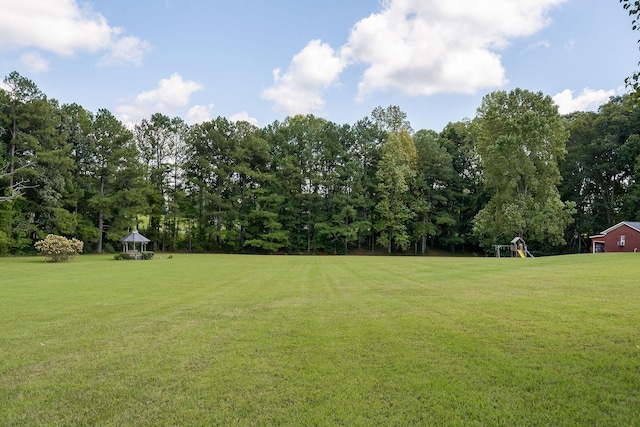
{"points": [[285, 340]]}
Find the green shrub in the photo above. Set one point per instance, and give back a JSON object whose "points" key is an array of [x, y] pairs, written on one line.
{"points": [[127, 256], [58, 248]]}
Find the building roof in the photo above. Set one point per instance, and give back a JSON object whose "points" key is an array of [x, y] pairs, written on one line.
{"points": [[630, 224], [135, 237]]}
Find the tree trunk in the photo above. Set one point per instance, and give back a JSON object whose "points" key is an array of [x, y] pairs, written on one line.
{"points": [[100, 229], [12, 163], [14, 135], [101, 218], [579, 243]]}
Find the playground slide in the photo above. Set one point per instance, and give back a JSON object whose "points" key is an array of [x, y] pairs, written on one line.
{"points": [[520, 253]]}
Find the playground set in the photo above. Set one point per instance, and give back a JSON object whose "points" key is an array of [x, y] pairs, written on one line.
{"points": [[517, 248]]}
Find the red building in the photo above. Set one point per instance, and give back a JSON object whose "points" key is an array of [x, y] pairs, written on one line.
{"points": [[622, 237]]}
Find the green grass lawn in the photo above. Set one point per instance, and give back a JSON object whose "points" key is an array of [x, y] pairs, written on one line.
{"points": [[297, 340]]}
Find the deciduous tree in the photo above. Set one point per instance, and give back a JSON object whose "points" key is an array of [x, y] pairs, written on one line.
{"points": [[520, 142], [633, 8], [396, 170]]}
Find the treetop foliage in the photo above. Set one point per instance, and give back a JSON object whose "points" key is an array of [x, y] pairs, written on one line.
{"points": [[309, 185], [633, 8]]}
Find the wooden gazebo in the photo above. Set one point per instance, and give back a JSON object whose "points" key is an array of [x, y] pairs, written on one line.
{"points": [[132, 242]]}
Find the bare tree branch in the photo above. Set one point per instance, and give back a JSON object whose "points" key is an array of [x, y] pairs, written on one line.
{"points": [[17, 189]]}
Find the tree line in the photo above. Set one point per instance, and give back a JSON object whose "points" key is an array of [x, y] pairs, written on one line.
{"points": [[309, 185]]}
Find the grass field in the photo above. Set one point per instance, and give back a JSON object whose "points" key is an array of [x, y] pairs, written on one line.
{"points": [[296, 340]]}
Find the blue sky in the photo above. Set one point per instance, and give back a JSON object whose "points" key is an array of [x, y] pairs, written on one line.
{"points": [[261, 61]]}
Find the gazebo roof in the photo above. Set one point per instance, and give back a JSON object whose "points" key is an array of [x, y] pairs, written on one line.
{"points": [[135, 237]]}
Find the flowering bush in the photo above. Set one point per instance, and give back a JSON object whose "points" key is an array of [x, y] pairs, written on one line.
{"points": [[59, 248]]}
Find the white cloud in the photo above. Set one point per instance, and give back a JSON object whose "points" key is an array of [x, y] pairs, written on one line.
{"points": [[588, 99], [414, 47], [424, 48], [126, 50], [65, 28], [34, 63], [199, 114], [243, 116], [171, 95], [542, 44], [299, 89]]}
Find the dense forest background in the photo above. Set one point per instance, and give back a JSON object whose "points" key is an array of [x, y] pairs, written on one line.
{"points": [[308, 185]]}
